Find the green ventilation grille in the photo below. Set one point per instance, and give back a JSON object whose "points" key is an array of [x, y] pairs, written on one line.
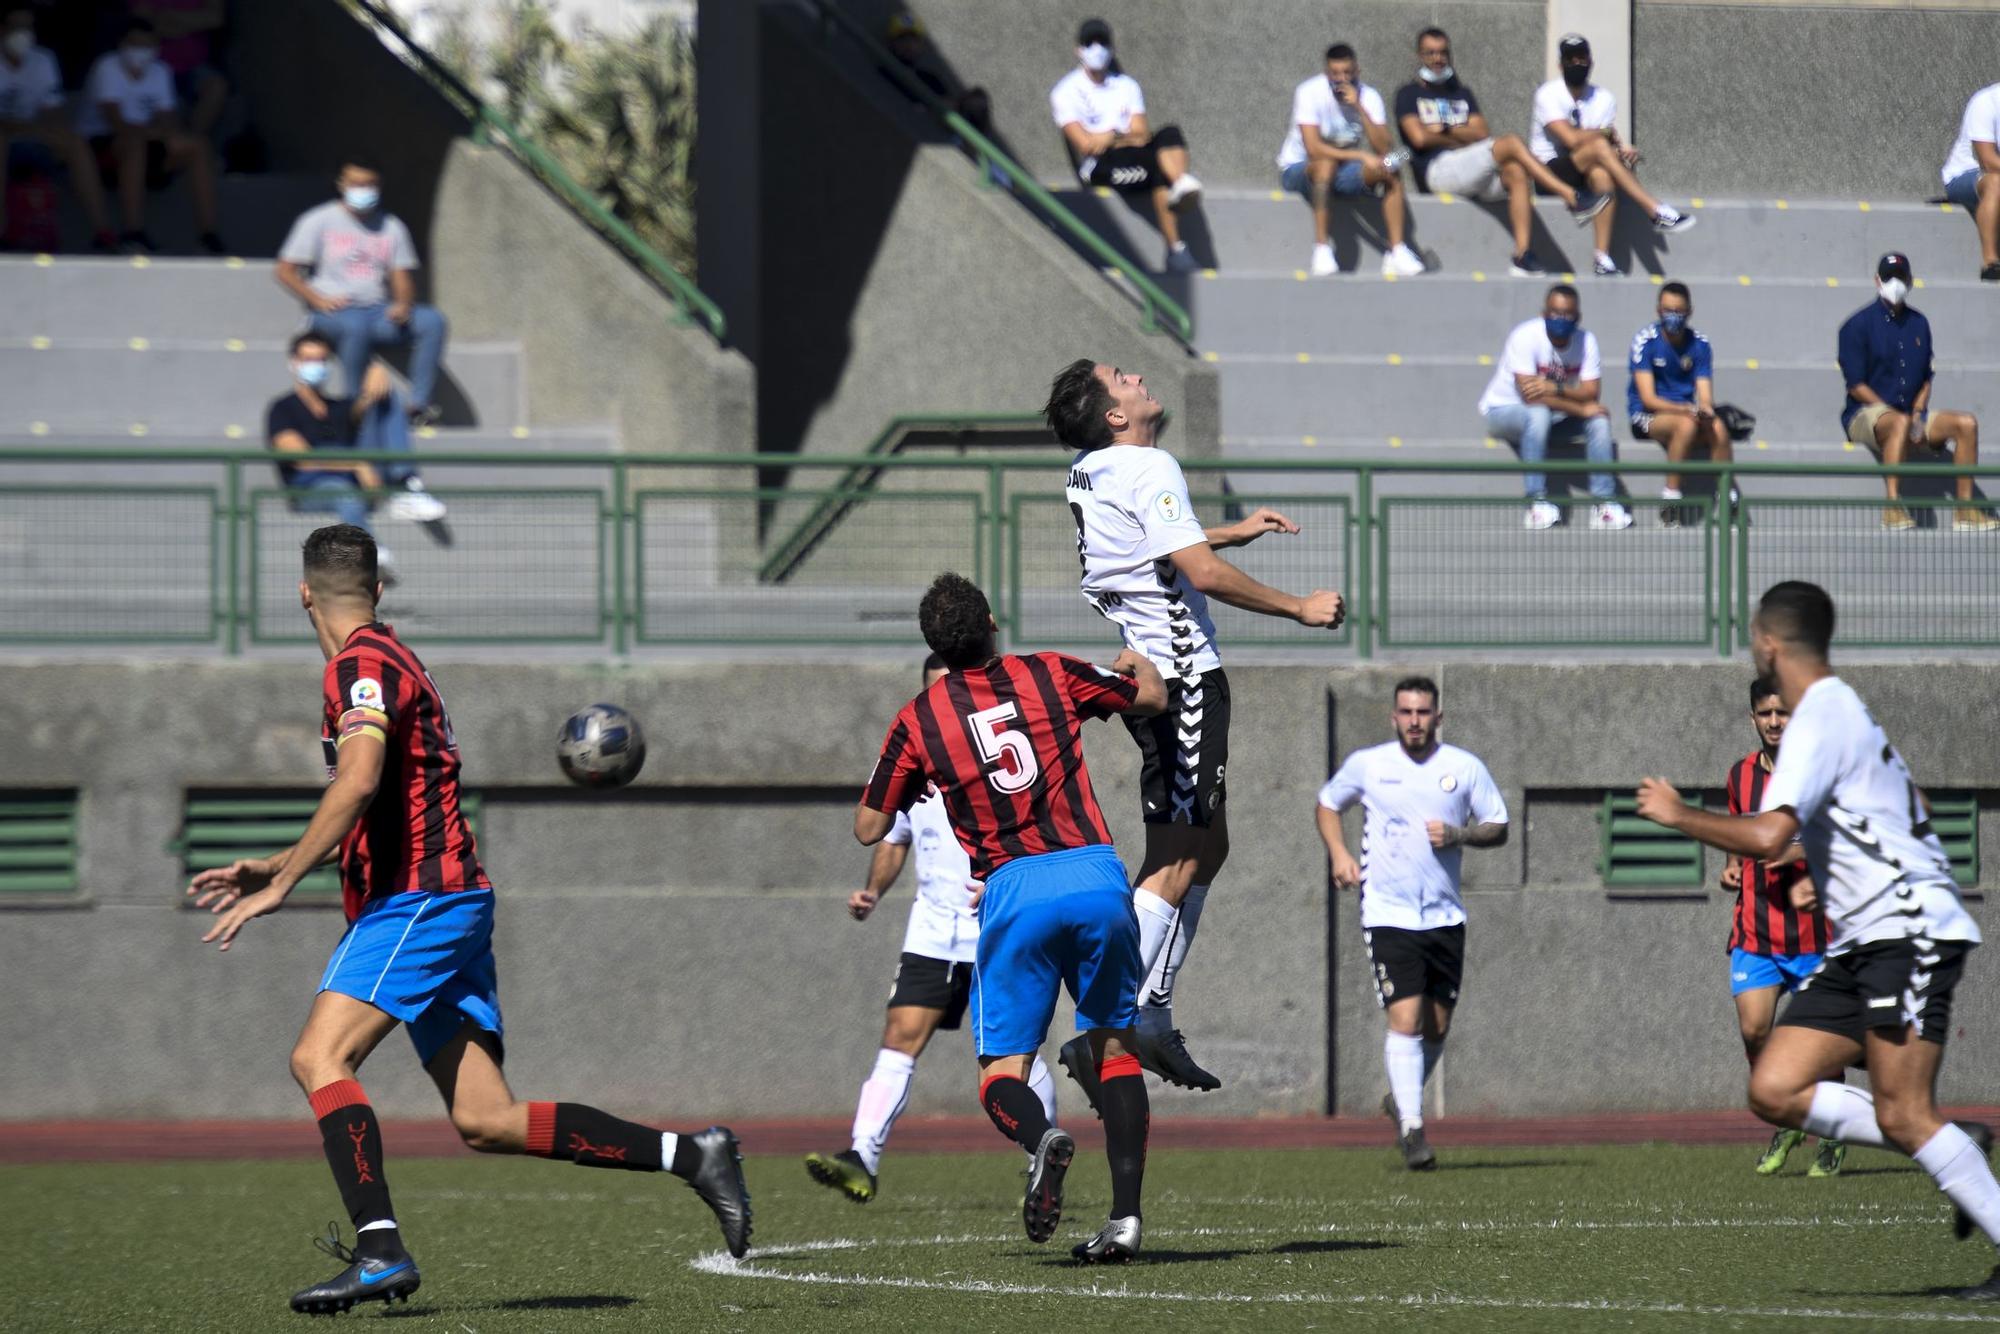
{"points": [[1638, 854], [219, 828], [38, 842]]}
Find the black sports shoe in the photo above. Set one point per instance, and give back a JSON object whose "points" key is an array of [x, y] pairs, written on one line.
{"points": [[1990, 274], [366, 1279], [1041, 1207], [1989, 1291], [1588, 205], [844, 1172], [1527, 264], [1082, 1066], [719, 1182], [1962, 1225], [1417, 1154], [1116, 1243], [1167, 1056]]}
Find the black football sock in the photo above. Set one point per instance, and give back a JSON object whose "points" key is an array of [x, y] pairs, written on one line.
{"points": [[1122, 1100], [590, 1138], [353, 1140], [1015, 1110]]}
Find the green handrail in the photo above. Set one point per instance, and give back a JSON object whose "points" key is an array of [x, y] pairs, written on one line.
{"points": [[1153, 300], [688, 299]]}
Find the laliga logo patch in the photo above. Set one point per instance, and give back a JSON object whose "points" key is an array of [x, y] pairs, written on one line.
{"points": [[1448, 783], [1169, 506], [366, 693]]}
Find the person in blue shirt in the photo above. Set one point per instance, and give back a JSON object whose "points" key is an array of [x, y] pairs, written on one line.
{"points": [[1886, 359], [1670, 395]]}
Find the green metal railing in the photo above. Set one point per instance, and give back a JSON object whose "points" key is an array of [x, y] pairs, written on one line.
{"points": [[690, 301], [1159, 312], [611, 551]]}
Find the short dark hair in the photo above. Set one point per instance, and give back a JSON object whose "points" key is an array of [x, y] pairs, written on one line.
{"points": [[137, 24], [310, 337], [1762, 688], [1563, 289], [1678, 289], [932, 663], [13, 7], [363, 161], [957, 621], [1077, 403], [340, 559], [1340, 51], [1438, 33], [1798, 613], [1422, 684]]}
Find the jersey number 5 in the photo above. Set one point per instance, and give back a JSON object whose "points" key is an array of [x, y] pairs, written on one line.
{"points": [[1009, 756]]}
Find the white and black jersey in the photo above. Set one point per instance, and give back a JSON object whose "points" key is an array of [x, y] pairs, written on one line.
{"points": [[1405, 882], [1880, 871], [943, 924], [1132, 514]]}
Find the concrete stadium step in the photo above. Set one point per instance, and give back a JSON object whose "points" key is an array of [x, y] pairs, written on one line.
{"points": [[1421, 397], [1784, 319], [1257, 229], [255, 211], [64, 297], [219, 389]]}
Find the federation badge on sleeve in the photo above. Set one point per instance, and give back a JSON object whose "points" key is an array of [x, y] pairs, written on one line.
{"points": [[1169, 506], [365, 693]]}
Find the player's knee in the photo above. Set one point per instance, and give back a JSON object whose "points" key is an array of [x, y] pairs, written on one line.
{"points": [[483, 1129], [1988, 184], [1771, 1097]]}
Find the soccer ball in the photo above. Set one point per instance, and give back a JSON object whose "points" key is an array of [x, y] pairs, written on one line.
{"points": [[601, 746]]}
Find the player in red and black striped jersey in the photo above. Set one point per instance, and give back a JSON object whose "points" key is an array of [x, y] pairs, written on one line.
{"points": [[419, 944], [1774, 944], [999, 737]]}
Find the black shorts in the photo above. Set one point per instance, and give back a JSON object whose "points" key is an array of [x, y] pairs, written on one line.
{"points": [[158, 175], [1566, 171], [1416, 963], [1182, 751], [1883, 984], [1136, 167], [935, 984]]}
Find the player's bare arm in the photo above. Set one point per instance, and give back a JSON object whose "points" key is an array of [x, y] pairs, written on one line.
{"points": [[1152, 698], [882, 873], [1767, 835], [1490, 834], [1248, 529], [1218, 579], [1346, 871], [870, 825]]}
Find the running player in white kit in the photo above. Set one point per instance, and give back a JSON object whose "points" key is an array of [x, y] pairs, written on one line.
{"points": [[933, 981], [1900, 934], [1150, 568], [1422, 801]]}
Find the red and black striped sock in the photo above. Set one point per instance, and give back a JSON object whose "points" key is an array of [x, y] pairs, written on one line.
{"points": [[353, 1141], [590, 1138], [1121, 1097], [1015, 1110]]}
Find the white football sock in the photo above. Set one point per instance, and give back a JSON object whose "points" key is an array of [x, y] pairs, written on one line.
{"points": [[1156, 923], [1433, 1053], [1403, 1053], [1044, 1085], [669, 1142], [883, 1097], [1843, 1112], [1964, 1175], [1158, 993]]}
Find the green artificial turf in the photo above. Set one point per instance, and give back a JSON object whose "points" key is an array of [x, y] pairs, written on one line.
{"points": [[1646, 1238]]}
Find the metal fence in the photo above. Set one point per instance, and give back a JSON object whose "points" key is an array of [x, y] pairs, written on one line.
{"points": [[200, 547]]}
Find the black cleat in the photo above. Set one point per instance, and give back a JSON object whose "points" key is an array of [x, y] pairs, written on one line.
{"points": [[1167, 1056], [1989, 1291], [1082, 1066], [1041, 1207], [1962, 1225], [1417, 1153], [1116, 1243], [719, 1182], [382, 1279], [844, 1172]]}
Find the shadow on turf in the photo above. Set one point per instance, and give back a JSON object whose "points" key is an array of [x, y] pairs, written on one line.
{"points": [[1506, 1165], [1317, 1247], [586, 1302]]}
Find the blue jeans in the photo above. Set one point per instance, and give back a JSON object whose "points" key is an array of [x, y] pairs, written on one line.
{"points": [[1963, 189], [1531, 426], [356, 331], [1347, 180], [384, 426]]}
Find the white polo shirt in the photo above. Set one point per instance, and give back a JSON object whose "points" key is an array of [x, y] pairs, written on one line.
{"points": [[1981, 124], [138, 97], [942, 922], [1313, 103], [1078, 99], [1405, 882], [1528, 351], [31, 88], [1596, 109]]}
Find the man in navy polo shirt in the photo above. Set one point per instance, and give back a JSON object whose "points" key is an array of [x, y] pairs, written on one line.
{"points": [[1670, 393], [1886, 358]]}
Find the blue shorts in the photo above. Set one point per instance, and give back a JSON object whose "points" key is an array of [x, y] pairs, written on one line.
{"points": [[1062, 919], [1347, 180], [1751, 972], [426, 959], [1963, 189]]}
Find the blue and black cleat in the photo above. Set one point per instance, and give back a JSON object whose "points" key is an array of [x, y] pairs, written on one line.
{"points": [[367, 1278]]}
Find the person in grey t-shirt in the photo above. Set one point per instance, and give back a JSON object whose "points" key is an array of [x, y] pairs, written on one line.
{"points": [[351, 261]]}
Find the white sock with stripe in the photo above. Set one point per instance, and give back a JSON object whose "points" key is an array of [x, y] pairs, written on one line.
{"points": [[1156, 923], [1158, 993], [1403, 1053], [1963, 1174], [883, 1097], [1843, 1112], [1044, 1085]]}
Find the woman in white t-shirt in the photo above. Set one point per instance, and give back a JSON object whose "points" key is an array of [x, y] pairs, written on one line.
{"points": [[1102, 116], [131, 117]]}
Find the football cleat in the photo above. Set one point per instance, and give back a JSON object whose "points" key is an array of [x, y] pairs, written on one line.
{"points": [[366, 1279], [1166, 1055], [1781, 1148], [1418, 1155], [1116, 1243], [1962, 1225], [1077, 1058], [719, 1182], [1041, 1207], [844, 1172], [1826, 1163]]}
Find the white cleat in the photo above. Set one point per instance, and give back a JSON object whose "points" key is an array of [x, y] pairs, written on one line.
{"points": [[1116, 1243]]}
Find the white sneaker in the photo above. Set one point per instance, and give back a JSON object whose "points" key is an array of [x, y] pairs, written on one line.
{"points": [[416, 504], [1541, 514], [1402, 262], [1609, 517], [1604, 266], [1324, 265], [1671, 220], [1184, 189]]}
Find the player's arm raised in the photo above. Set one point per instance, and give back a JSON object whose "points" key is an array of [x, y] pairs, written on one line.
{"points": [[883, 869], [1767, 835], [1152, 687], [1248, 529], [1218, 579]]}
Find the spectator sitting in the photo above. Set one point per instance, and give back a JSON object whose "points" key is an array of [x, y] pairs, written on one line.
{"points": [[1338, 144], [1885, 357], [1671, 394], [31, 106], [1454, 154], [187, 31], [1102, 115], [910, 43], [130, 119], [1972, 175], [1546, 385], [307, 425], [351, 261], [1576, 133]]}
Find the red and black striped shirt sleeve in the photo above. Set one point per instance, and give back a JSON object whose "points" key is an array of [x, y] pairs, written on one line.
{"points": [[899, 778], [1096, 693]]}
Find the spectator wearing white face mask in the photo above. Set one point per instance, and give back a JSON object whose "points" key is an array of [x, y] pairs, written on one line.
{"points": [[132, 119], [1102, 116], [31, 111]]}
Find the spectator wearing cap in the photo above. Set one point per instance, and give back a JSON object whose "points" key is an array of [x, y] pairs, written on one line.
{"points": [[1670, 392], [1102, 115], [31, 112], [1972, 174], [353, 264], [1575, 133], [1886, 358], [131, 117], [909, 42], [1454, 153], [1338, 144]]}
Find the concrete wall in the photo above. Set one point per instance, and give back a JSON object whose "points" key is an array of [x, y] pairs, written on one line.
{"points": [[681, 949]]}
